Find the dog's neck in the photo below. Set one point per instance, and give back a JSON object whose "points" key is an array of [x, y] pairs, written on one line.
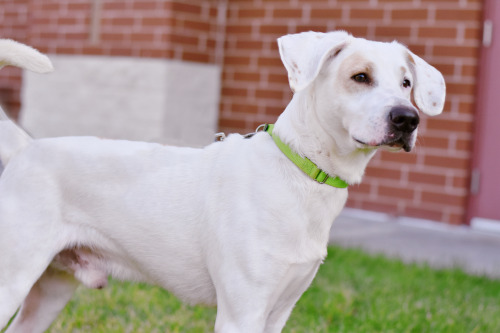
{"points": [[299, 127]]}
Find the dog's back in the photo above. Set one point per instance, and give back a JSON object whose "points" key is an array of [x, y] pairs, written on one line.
{"points": [[12, 139]]}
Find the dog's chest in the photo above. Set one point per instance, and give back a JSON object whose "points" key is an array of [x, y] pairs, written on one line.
{"points": [[320, 211]]}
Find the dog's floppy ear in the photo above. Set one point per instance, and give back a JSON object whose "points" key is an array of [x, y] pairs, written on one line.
{"points": [[429, 89], [305, 53], [16, 54]]}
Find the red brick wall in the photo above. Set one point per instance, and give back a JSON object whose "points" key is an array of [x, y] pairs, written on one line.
{"points": [[184, 30], [431, 182]]}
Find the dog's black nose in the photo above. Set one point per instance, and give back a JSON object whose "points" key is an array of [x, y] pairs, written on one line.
{"points": [[403, 119]]}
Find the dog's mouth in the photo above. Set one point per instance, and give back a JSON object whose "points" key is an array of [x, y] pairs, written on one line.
{"points": [[394, 142]]}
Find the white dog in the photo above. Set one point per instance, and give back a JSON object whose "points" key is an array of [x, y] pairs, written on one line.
{"points": [[239, 223]]}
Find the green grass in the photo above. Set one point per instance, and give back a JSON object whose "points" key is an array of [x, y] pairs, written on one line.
{"points": [[353, 292]]}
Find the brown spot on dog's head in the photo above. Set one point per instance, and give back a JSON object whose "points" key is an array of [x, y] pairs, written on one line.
{"points": [[354, 65], [410, 59]]}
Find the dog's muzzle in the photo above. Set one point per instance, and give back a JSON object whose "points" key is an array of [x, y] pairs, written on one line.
{"points": [[402, 123]]}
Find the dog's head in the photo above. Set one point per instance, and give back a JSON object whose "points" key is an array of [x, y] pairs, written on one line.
{"points": [[363, 90]]}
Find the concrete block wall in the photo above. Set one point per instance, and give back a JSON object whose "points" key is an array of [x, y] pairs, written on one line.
{"points": [[145, 99]]}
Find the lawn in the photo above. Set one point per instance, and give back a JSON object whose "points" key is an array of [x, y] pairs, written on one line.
{"points": [[353, 292]]}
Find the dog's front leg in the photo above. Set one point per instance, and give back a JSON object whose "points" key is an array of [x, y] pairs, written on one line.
{"points": [[246, 291], [260, 299], [294, 283], [241, 307]]}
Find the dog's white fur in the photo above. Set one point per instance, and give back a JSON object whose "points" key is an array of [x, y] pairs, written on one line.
{"points": [[234, 224]]}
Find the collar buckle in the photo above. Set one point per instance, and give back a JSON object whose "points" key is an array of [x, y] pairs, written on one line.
{"points": [[323, 175]]}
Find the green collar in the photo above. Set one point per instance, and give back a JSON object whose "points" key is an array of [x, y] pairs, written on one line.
{"points": [[304, 163]]}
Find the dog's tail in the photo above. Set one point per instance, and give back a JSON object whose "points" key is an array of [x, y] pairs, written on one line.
{"points": [[16, 54], [12, 138]]}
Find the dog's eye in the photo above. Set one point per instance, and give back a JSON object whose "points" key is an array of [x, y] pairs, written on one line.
{"points": [[406, 83], [361, 78]]}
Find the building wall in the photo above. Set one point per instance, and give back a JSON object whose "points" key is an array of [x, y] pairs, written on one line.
{"points": [[240, 35], [172, 29], [105, 79]]}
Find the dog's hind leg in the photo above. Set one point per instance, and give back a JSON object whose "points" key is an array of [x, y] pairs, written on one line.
{"points": [[19, 273], [26, 250], [45, 300], [16, 281], [20, 269]]}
